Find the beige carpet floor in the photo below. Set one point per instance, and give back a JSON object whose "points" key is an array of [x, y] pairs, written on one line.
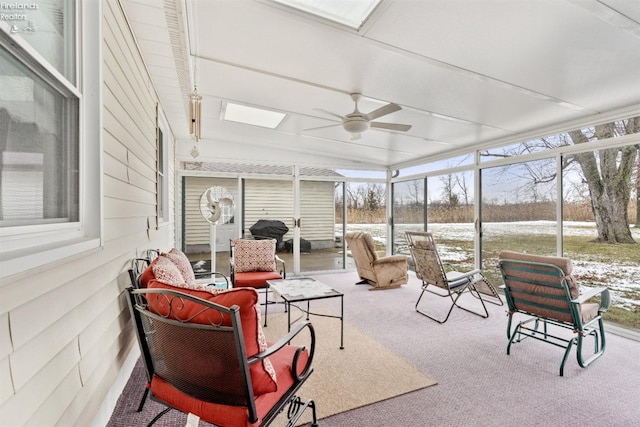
{"points": [[362, 373]]}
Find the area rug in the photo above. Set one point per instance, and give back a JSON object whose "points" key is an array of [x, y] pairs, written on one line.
{"points": [[362, 373]]}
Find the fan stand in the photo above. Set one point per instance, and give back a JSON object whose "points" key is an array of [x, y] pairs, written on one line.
{"points": [[212, 245], [216, 206]]}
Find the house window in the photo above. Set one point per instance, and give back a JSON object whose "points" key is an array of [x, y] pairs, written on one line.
{"points": [[38, 146], [163, 185], [50, 134]]}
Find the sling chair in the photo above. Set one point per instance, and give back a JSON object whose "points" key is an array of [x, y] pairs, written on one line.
{"points": [[447, 283], [544, 290]]}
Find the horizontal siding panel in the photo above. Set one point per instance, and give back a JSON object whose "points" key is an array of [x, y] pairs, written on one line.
{"points": [[115, 169], [144, 119], [117, 131], [121, 190], [106, 335], [68, 297], [143, 180], [120, 227], [6, 385], [114, 147], [104, 320], [57, 401], [317, 210], [17, 410], [272, 200], [81, 411], [28, 358], [128, 55], [117, 39], [115, 208], [6, 346], [124, 129]]}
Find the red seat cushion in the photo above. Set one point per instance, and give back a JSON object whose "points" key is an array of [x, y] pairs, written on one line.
{"points": [[233, 416], [263, 376], [255, 279]]}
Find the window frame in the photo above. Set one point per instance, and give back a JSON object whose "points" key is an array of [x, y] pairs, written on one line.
{"points": [[23, 248]]}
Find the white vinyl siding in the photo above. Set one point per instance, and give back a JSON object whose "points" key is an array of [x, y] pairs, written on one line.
{"points": [[317, 211], [197, 229], [272, 200], [69, 332]]}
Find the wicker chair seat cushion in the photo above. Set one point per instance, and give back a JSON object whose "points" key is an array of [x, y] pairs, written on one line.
{"points": [[263, 375], [233, 416], [254, 255]]}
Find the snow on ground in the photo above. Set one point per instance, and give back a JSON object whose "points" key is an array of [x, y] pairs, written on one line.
{"points": [[622, 279]]}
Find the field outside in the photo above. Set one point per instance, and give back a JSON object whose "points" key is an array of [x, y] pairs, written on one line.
{"points": [[614, 266]]}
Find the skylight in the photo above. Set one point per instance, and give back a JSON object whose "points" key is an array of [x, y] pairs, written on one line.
{"points": [[252, 116], [352, 13]]}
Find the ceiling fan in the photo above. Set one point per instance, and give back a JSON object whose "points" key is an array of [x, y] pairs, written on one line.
{"points": [[357, 122]]}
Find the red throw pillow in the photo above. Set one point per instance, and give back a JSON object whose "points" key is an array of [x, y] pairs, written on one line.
{"points": [[263, 375]]}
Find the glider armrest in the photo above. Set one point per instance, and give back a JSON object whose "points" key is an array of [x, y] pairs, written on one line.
{"points": [[605, 298]]}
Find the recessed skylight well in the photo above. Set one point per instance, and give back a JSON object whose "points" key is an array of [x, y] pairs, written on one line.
{"points": [[252, 116], [352, 13]]}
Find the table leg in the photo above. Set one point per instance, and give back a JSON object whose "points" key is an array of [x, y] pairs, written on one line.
{"points": [[341, 322], [287, 306]]}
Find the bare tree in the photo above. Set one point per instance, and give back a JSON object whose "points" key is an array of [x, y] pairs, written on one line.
{"points": [[352, 196], [448, 193], [416, 191], [465, 187], [374, 198], [637, 188], [607, 174]]}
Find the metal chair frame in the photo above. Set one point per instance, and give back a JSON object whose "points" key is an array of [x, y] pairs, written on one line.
{"points": [[451, 284], [551, 294], [264, 289], [147, 324]]}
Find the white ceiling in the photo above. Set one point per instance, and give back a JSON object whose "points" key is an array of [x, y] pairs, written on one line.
{"points": [[467, 73]]}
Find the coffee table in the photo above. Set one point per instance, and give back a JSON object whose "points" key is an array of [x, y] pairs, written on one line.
{"points": [[306, 289]]}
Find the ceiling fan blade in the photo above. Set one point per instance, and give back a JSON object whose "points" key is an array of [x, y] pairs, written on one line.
{"points": [[329, 113], [383, 111], [322, 127], [390, 126]]}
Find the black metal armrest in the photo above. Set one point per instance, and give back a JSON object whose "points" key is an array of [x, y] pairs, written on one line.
{"points": [[285, 340]]}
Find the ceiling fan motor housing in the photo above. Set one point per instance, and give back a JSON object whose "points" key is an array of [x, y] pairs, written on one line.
{"points": [[355, 123]]}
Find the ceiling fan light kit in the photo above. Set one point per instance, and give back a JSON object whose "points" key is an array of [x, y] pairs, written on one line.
{"points": [[357, 122]]}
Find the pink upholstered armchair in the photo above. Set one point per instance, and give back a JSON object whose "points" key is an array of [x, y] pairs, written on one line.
{"points": [[379, 272]]}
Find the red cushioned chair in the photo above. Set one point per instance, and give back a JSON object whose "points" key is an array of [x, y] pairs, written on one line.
{"points": [[198, 357], [253, 262]]}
